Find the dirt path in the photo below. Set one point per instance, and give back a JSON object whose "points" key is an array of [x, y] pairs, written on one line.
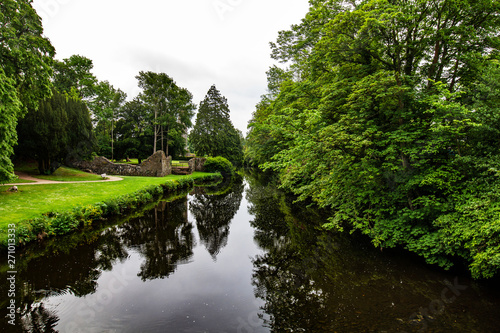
{"points": [[37, 181]]}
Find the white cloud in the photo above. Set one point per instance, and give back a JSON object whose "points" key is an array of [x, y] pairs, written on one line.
{"points": [[197, 42]]}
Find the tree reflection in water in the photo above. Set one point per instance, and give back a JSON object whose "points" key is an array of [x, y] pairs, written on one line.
{"points": [[214, 208], [164, 237], [39, 319], [317, 281]]}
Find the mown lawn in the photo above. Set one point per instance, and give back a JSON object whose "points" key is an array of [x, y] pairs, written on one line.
{"points": [[34, 200], [63, 174]]}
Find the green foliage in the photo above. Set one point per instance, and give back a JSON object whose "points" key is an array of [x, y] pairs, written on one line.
{"points": [[25, 55], [74, 74], [170, 110], [219, 164], [60, 128], [390, 120], [25, 60], [10, 107], [213, 133], [105, 106], [134, 130]]}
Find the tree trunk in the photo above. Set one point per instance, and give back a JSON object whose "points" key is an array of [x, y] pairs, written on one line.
{"points": [[156, 131], [161, 128], [166, 149]]}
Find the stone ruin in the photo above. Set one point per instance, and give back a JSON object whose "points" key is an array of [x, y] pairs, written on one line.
{"points": [[157, 165]]}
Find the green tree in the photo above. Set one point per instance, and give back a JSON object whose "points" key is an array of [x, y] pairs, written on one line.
{"points": [[9, 110], [25, 71], [106, 106], [74, 73], [60, 128], [214, 133], [171, 107], [387, 120], [134, 132]]}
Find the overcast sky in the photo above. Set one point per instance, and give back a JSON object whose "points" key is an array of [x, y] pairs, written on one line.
{"points": [[196, 42]]}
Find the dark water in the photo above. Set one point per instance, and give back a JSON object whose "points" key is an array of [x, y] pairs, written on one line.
{"points": [[239, 257]]}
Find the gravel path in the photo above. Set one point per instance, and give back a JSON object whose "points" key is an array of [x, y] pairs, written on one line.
{"points": [[37, 181]]}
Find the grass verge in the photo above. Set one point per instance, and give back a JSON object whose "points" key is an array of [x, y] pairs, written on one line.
{"points": [[62, 174], [65, 174], [56, 209]]}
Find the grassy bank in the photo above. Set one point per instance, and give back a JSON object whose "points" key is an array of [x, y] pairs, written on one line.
{"points": [[56, 209]]}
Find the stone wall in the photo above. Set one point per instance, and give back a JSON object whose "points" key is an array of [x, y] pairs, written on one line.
{"points": [[197, 164], [157, 165]]}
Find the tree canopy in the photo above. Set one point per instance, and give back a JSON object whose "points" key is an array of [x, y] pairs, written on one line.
{"points": [[25, 70], [74, 74], [171, 108], [213, 133], [60, 128], [384, 116]]}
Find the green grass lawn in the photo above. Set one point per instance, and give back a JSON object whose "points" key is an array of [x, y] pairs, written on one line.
{"points": [[34, 200], [174, 163], [63, 174], [132, 161], [180, 164]]}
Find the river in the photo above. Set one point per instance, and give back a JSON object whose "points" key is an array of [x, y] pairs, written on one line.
{"points": [[238, 257]]}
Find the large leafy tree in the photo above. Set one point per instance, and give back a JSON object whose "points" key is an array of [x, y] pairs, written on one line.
{"points": [[74, 75], [134, 131], [386, 123], [105, 106], [171, 107], [214, 133], [9, 110], [25, 70]]}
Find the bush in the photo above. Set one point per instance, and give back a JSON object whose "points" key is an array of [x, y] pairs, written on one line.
{"points": [[219, 164]]}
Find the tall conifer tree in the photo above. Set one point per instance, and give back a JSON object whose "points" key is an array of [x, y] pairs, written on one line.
{"points": [[213, 133]]}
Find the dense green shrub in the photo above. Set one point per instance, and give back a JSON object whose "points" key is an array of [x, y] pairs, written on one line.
{"points": [[219, 164]]}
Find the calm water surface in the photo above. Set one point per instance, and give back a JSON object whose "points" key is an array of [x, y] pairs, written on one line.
{"points": [[238, 257]]}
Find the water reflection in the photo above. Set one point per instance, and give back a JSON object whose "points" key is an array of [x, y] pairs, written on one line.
{"points": [[214, 208], [218, 261], [164, 238], [313, 281]]}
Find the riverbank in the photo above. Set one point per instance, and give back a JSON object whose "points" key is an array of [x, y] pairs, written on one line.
{"points": [[42, 211]]}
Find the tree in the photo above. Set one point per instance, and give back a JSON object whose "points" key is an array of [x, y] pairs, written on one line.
{"points": [[60, 128], [106, 106], [213, 133], [171, 106], [134, 132], [386, 123], [74, 73], [9, 110], [25, 70]]}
